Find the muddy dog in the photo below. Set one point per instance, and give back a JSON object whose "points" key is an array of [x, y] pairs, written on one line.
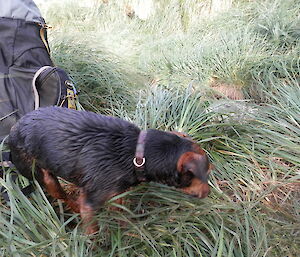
{"points": [[103, 156]]}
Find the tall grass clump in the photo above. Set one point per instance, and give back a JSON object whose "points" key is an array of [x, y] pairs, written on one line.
{"points": [[97, 73], [182, 42]]}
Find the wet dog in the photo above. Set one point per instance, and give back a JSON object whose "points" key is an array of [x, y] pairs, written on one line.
{"points": [[103, 156]]}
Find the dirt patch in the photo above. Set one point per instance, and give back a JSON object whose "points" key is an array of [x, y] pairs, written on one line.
{"points": [[225, 90]]}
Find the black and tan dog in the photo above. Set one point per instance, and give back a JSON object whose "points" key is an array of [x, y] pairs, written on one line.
{"points": [[103, 156]]}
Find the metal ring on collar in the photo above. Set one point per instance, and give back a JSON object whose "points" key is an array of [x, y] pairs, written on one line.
{"points": [[139, 165]]}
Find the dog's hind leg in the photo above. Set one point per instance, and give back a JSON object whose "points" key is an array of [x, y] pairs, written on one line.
{"points": [[53, 187]]}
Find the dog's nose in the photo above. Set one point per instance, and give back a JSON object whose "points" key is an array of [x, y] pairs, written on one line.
{"points": [[204, 191]]}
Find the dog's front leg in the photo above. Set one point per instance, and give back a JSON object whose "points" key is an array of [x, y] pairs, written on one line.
{"points": [[87, 214]]}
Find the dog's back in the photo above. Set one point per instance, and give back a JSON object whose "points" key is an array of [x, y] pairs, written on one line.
{"points": [[50, 135]]}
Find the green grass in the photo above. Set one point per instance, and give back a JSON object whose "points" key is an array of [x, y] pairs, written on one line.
{"points": [[157, 73]]}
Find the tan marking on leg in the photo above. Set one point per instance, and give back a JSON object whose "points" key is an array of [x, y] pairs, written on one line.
{"points": [[87, 214], [54, 188]]}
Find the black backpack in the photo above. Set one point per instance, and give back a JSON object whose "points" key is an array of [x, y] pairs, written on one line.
{"points": [[28, 78]]}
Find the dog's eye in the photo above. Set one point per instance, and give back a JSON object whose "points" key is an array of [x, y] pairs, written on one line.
{"points": [[190, 171], [185, 179]]}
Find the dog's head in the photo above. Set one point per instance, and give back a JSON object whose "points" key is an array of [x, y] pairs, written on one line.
{"points": [[176, 160], [193, 169]]}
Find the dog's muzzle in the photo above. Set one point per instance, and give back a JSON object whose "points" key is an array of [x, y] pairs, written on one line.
{"points": [[197, 189]]}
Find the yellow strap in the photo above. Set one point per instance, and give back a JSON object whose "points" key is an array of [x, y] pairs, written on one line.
{"points": [[71, 99], [42, 35]]}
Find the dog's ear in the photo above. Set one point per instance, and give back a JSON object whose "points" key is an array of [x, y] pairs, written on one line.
{"points": [[195, 163], [186, 163]]}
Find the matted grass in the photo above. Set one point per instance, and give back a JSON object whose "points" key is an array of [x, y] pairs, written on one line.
{"points": [[156, 73]]}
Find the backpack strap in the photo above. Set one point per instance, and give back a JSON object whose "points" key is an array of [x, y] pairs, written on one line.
{"points": [[43, 35], [71, 96], [35, 91]]}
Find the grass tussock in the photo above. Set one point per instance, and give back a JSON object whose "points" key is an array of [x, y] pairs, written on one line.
{"points": [[178, 70]]}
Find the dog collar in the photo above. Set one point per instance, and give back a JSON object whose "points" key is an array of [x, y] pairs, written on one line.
{"points": [[139, 160]]}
